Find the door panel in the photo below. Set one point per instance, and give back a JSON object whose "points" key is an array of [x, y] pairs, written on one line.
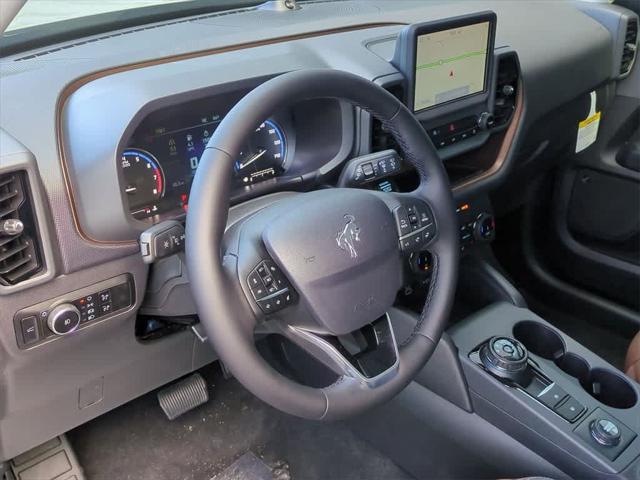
{"points": [[597, 202]]}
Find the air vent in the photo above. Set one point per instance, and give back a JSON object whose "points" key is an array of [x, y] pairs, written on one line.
{"points": [[630, 46], [381, 138], [506, 89], [19, 255]]}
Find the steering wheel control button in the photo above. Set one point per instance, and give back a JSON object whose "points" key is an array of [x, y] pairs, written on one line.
{"points": [[605, 432], [269, 287], [570, 409], [63, 319], [258, 290], [415, 226], [551, 396], [162, 240], [402, 221]]}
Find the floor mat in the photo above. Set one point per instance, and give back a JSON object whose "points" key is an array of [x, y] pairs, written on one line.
{"points": [[136, 441]]}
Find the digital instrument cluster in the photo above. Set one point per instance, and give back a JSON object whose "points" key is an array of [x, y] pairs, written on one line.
{"points": [[162, 156]]}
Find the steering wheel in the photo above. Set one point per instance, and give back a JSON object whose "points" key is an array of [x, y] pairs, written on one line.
{"points": [[321, 268]]}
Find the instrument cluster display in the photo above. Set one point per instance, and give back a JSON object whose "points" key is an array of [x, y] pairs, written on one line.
{"points": [[159, 164]]}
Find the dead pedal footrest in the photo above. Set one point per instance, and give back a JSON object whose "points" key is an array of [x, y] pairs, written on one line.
{"points": [[52, 459], [182, 396]]}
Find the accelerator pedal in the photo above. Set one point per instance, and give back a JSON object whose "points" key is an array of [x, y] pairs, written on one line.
{"points": [[182, 396]]}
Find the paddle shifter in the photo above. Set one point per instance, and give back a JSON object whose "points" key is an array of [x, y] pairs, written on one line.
{"points": [[506, 358]]}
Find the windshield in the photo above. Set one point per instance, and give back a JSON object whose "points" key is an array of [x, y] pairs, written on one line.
{"points": [[40, 12]]}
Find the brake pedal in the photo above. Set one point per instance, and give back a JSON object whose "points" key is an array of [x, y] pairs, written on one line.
{"points": [[182, 396]]}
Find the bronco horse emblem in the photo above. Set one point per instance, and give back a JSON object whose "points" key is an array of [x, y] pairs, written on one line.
{"points": [[349, 235]]}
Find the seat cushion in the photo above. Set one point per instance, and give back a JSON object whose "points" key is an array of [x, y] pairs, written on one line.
{"points": [[632, 363]]}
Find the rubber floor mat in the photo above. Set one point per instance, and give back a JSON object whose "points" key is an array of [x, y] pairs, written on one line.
{"points": [[137, 442]]}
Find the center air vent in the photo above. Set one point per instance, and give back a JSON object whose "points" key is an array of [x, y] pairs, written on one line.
{"points": [[19, 255], [630, 46], [506, 89]]}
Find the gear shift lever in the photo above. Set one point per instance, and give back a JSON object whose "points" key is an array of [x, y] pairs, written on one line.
{"points": [[506, 358]]}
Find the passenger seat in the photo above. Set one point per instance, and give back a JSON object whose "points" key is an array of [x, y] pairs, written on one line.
{"points": [[632, 363]]}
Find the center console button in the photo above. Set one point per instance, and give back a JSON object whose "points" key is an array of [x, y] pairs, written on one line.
{"points": [[552, 395], [605, 432], [570, 409]]}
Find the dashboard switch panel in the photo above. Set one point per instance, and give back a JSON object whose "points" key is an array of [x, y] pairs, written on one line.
{"points": [[454, 132], [74, 311]]}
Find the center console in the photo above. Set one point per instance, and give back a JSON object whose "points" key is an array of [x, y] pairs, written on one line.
{"points": [[550, 393]]}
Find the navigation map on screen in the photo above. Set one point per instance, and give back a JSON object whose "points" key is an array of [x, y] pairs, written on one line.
{"points": [[450, 64]]}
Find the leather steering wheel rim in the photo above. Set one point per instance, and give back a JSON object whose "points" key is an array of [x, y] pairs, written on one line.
{"points": [[230, 321]]}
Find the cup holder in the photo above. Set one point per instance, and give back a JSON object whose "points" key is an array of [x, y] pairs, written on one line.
{"points": [[606, 386], [611, 389], [539, 339], [575, 366]]}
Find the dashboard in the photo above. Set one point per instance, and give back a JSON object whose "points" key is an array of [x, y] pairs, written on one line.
{"points": [[109, 143]]}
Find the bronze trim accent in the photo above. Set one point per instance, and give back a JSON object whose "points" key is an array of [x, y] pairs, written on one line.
{"points": [[78, 83], [505, 147]]}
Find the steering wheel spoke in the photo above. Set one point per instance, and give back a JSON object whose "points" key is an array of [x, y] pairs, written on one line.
{"points": [[368, 355]]}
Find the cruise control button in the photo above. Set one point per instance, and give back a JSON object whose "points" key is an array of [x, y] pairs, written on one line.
{"points": [[266, 305], [288, 298], [570, 409], [402, 220], [278, 301], [262, 270], [256, 286]]}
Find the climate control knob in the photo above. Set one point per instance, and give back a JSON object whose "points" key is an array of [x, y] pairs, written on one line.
{"points": [[486, 120], [63, 319], [484, 228]]}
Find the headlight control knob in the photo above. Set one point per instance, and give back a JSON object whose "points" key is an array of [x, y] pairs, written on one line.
{"points": [[63, 319]]}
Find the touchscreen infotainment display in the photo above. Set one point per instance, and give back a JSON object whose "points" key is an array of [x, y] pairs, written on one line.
{"points": [[450, 64]]}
